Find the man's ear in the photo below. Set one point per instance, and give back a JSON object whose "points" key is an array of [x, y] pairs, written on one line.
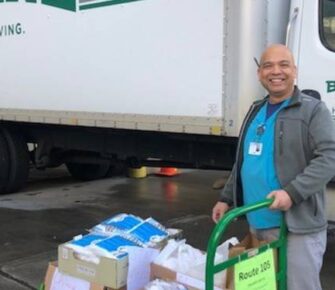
{"points": [[295, 71]]}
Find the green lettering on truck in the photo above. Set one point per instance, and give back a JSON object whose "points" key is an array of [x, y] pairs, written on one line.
{"points": [[71, 5], [29, 1], [11, 29], [87, 4], [330, 86], [63, 4]]}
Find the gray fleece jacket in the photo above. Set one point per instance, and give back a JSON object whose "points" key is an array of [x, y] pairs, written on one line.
{"points": [[304, 160]]}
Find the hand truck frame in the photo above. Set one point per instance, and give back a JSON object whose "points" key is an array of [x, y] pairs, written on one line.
{"points": [[215, 238]]}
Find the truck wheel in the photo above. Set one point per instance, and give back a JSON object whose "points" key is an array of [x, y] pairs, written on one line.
{"points": [[118, 168], [87, 172], [18, 161], [4, 164]]}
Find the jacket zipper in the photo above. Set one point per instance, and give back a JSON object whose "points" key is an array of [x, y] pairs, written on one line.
{"points": [[314, 203], [281, 136]]}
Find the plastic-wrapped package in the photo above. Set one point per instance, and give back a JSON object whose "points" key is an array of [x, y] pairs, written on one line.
{"points": [[86, 240], [146, 233], [91, 246], [156, 224], [159, 284], [81, 245], [114, 246], [121, 222]]}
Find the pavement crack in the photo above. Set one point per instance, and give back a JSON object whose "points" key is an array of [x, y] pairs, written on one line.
{"points": [[187, 219], [21, 282]]}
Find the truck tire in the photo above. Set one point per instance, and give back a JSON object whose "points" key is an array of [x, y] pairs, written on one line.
{"points": [[18, 161], [118, 168], [87, 172], [4, 164]]}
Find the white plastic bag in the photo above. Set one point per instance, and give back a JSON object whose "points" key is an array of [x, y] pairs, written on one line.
{"points": [[179, 257], [183, 258], [187, 257], [198, 271], [167, 252], [222, 254], [164, 285]]}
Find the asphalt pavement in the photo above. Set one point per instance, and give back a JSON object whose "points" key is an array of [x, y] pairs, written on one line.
{"points": [[54, 208]]}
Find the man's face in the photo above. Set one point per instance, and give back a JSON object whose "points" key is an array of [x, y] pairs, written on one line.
{"points": [[277, 72]]}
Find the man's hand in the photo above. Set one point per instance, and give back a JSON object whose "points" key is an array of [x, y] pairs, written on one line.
{"points": [[282, 200], [219, 210]]}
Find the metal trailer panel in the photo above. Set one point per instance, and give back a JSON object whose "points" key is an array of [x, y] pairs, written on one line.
{"points": [[176, 124], [250, 27], [161, 65], [137, 64]]}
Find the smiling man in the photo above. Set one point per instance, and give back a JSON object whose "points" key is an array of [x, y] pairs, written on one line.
{"points": [[277, 73], [286, 151]]}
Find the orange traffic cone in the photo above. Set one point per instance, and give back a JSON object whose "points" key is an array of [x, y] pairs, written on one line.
{"points": [[168, 171]]}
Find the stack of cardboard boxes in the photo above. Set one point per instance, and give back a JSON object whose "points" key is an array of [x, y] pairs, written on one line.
{"points": [[101, 257]]}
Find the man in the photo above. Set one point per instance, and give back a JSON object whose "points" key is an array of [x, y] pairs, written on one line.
{"points": [[286, 151]]}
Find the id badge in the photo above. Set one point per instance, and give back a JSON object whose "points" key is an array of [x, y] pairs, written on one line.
{"points": [[255, 148]]}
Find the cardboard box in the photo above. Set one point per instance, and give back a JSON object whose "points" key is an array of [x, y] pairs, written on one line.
{"points": [[71, 281], [108, 272], [249, 243], [191, 283]]}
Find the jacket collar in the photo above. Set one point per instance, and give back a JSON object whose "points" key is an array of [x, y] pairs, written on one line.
{"points": [[295, 99]]}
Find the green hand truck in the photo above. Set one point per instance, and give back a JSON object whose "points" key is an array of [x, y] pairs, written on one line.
{"points": [[280, 244]]}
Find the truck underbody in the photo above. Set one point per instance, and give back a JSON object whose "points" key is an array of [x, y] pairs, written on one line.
{"points": [[92, 153]]}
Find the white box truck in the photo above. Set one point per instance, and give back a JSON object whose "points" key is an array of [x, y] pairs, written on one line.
{"points": [[149, 82]]}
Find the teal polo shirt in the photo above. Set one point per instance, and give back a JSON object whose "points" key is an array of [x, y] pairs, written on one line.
{"points": [[258, 172]]}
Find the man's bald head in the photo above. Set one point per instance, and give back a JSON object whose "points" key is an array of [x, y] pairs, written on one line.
{"points": [[277, 72], [276, 48]]}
